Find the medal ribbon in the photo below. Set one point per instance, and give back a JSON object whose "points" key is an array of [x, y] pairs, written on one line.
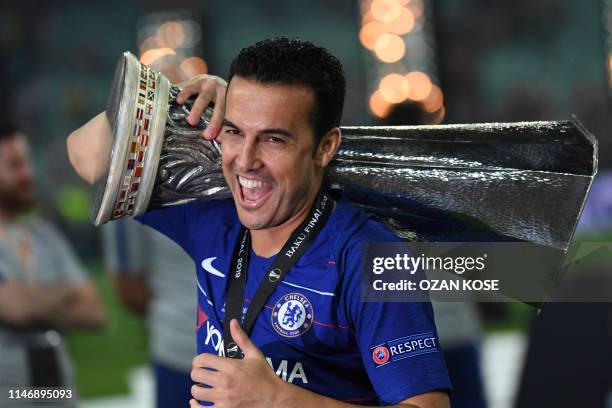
{"points": [[299, 241]]}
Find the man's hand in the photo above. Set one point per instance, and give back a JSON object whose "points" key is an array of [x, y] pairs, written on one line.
{"points": [[208, 88], [252, 383], [249, 382]]}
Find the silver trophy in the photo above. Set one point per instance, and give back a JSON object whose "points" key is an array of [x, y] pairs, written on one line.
{"points": [[523, 180], [478, 182]]}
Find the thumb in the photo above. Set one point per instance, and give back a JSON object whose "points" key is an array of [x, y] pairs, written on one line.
{"points": [[242, 340]]}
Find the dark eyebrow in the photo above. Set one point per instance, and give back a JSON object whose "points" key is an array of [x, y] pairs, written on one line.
{"points": [[274, 131], [278, 131], [230, 124]]}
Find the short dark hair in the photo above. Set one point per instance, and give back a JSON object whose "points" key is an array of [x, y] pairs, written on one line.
{"points": [[297, 62], [8, 129]]}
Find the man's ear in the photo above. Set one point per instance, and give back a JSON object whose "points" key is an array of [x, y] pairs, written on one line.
{"points": [[328, 146]]}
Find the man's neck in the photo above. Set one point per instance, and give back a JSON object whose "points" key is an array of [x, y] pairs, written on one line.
{"points": [[268, 242]]}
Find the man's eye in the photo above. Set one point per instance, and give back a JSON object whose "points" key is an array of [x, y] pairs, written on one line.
{"points": [[275, 140], [231, 131]]}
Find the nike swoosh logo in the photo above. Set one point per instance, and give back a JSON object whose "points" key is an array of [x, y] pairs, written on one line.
{"points": [[208, 267]]}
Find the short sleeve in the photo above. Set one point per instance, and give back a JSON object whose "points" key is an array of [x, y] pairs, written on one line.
{"points": [[125, 243], [188, 223], [398, 341], [68, 265], [174, 222]]}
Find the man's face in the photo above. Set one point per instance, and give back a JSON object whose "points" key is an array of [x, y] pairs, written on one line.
{"points": [[16, 181], [267, 151]]}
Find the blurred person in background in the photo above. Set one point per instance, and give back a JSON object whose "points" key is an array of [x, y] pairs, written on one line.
{"points": [[44, 289], [153, 278]]}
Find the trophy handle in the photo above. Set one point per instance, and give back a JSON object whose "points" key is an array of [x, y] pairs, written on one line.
{"points": [[189, 166], [157, 158]]}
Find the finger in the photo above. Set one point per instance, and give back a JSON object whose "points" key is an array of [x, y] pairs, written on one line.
{"points": [[188, 82], [201, 393], [242, 340], [193, 403], [200, 104], [205, 376], [216, 121], [207, 360], [188, 90]]}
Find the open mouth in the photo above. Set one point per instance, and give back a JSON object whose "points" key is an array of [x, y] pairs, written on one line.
{"points": [[253, 192]]}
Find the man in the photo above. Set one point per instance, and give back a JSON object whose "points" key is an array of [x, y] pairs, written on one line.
{"points": [[153, 278], [279, 132], [43, 287]]}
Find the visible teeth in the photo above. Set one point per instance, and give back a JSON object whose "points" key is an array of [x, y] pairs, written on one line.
{"points": [[248, 183]]}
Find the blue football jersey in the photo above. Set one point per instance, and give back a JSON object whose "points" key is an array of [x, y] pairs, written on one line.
{"points": [[314, 330]]}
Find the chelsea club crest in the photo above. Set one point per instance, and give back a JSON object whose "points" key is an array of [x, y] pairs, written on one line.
{"points": [[292, 315]]}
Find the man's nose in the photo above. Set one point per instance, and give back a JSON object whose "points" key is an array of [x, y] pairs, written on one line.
{"points": [[248, 156]]}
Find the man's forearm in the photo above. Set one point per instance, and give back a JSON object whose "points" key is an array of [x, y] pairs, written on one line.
{"points": [[66, 307], [89, 148], [49, 305], [76, 316], [24, 305], [61, 306]]}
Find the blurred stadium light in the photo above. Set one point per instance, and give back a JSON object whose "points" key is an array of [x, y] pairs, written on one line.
{"points": [[398, 37], [170, 41]]}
